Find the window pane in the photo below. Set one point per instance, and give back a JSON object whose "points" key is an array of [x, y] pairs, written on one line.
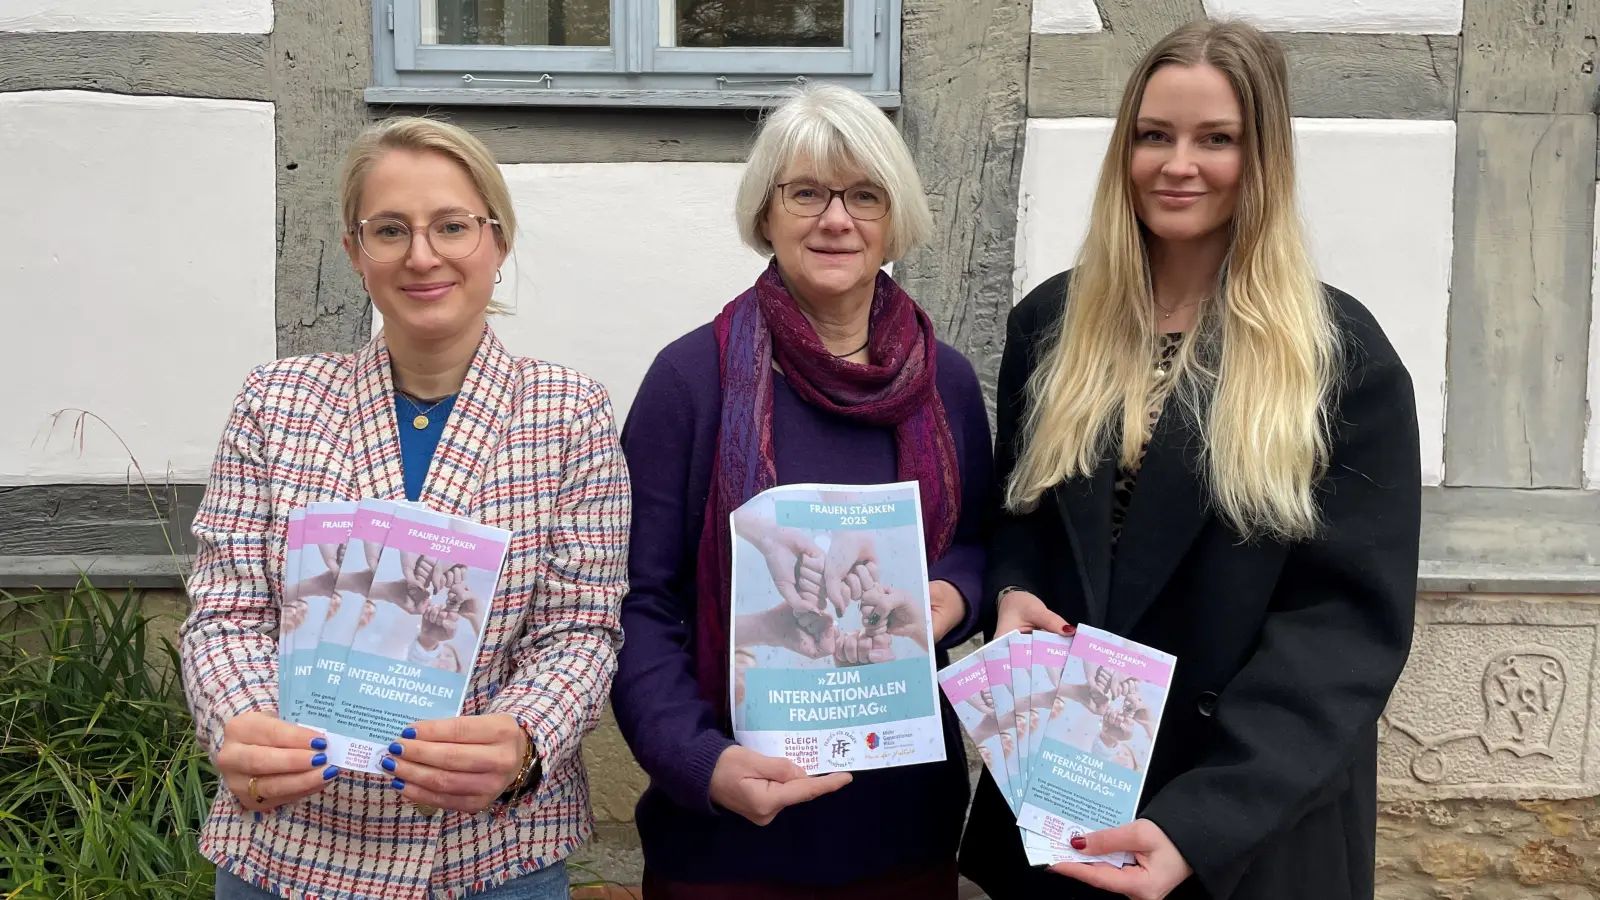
{"points": [[756, 23], [517, 23]]}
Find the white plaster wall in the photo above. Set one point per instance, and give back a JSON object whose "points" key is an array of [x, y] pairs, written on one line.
{"points": [[137, 250], [613, 261], [1591, 446], [1371, 16], [1065, 17], [226, 16], [1377, 199]]}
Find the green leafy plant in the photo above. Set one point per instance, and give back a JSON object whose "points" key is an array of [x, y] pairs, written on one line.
{"points": [[102, 785]]}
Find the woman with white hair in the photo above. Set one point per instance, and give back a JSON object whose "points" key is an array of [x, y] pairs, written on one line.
{"points": [[824, 370]]}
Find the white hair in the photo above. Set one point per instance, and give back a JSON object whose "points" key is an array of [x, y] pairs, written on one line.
{"points": [[839, 133]]}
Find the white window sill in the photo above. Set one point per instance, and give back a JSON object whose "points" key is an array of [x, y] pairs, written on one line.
{"points": [[702, 99]]}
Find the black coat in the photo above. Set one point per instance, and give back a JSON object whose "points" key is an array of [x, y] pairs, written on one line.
{"points": [[1264, 771]]}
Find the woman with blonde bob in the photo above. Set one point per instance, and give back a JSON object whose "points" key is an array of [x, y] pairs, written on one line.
{"points": [[824, 370], [1206, 450], [433, 410]]}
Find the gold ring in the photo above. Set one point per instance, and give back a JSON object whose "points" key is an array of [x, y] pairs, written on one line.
{"points": [[255, 794], [424, 809]]}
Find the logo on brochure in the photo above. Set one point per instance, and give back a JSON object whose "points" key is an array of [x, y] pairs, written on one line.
{"points": [[872, 740], [802, 750], [841, 748]]}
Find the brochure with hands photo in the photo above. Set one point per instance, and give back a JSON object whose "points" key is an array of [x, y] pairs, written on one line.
{"points": [[1092, 762], [417, 636], [383, 613], [345, 608], [323, 534], [1083, 724], [832, 632]]}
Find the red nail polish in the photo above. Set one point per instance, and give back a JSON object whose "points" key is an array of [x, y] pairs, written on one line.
{"points": [[1079, 842]]}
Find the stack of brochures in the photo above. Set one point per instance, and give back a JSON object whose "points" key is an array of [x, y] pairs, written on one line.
{"points": [[1065, 726], [384, 608]]}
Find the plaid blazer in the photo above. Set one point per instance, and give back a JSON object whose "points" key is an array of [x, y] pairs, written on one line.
{"points": [[530, 447]]}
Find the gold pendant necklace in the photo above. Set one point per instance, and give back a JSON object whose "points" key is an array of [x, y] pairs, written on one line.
{"points": [[420, 420]]}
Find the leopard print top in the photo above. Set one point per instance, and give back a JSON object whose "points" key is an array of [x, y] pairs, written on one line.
{"points": [[1122, 493]]}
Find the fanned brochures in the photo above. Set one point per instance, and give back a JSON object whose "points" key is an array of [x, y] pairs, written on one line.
{"points": [[383, 620], [1067, 736], [832, 634]]}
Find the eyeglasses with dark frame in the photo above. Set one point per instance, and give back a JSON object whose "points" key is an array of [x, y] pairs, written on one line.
{"points": [[385, 239], [866, 202]]}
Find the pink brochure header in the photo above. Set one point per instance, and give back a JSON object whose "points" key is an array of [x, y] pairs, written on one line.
{"points": [[999, 670], [372, 524], [1120, 659], [412, 536], [297, 532], [1022, 653], [1054, 650], [328, 528], [967, 678]]}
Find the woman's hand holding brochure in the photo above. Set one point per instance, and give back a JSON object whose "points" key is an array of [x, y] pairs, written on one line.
{"points": [[1022, 611], [1157, 866], [759, 787], [462, 763], [267, 762]]}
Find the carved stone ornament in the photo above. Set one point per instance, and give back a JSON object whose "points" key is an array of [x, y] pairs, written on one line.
{"points": [[1500, 699], [1523, 689]]}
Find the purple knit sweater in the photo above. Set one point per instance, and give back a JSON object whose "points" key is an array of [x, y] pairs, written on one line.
{"points": [[882, 820]]}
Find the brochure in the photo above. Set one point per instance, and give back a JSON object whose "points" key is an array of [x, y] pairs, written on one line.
{"points": [[324, 531], [832, 634], [997, 660], [1090, 769], [291, 612], [345, 610], [414, 643], [1021, 645], [1049, 658], [965, 683]]}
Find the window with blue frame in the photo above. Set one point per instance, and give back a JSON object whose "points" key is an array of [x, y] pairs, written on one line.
{"points": [[706, 53]]}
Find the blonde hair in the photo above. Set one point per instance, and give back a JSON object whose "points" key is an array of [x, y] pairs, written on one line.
{"points": [[838, 131], [430, 135], [1258, 374]]}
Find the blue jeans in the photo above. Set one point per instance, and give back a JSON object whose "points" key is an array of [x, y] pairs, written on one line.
{"points": [[545, 884]]}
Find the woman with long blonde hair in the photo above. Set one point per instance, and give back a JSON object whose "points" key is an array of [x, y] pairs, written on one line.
{"points": [[1204, 449]]}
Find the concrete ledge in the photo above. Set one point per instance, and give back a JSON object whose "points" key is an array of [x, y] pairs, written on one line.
{"points": [[1447, 577], [110, 572], [1362, 76], [1528, 530], [215, 66]]}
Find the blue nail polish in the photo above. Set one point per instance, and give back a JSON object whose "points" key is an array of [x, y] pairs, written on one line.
{"points": [[319, 760], [388, 764], [409, 734], [398, 785], [329, 772], [395, 749], [258, 816], [319, 743]]}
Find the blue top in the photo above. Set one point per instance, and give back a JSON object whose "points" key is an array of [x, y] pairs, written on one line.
{"points": [[417, 444], [913, 814]]}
